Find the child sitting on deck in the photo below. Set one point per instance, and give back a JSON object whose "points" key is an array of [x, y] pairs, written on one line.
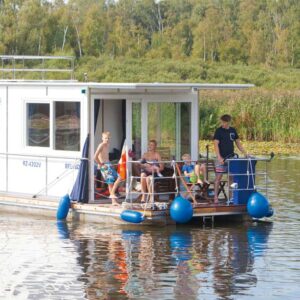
{"points": [[193, 173]]}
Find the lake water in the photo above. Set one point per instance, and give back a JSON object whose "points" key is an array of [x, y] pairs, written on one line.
{"points": [[43, 259]]}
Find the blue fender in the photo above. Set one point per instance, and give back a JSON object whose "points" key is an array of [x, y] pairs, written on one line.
{"points": [[132, 216], [63, 207]]}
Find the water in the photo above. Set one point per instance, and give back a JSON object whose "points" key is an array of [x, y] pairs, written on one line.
{"points": [[43, 259]]}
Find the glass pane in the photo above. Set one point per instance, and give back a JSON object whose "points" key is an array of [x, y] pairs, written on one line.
{"points": [[67, 126], [38, 125], [185, 128], [136, 129], [170, 125]]}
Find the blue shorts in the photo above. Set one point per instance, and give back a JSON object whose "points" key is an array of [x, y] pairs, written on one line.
{"points": [[109, 173], [221, 168]]}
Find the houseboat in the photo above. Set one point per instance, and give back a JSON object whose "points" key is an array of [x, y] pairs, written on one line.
{"points": [[47, 125]]}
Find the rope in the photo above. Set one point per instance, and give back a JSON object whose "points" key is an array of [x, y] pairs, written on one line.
{"points": [[57, 179], [175, 177], [252, 173]]}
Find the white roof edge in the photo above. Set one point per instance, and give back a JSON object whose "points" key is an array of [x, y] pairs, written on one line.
{"points": [[197, 86], [225, 86], [130, 86]]}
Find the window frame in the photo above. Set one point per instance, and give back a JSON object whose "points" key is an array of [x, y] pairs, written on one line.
{"points": [[51, 101]]}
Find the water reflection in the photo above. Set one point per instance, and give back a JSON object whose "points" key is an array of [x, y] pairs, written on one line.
{"points": [[94, 262], [258, 235], [169, 263], [63, 229]]}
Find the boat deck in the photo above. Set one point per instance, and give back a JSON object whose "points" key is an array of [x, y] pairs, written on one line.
{"points": [[102, 211]]}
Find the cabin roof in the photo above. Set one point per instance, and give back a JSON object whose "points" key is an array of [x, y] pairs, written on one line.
{"points": [[107, 87], [158, 85]]}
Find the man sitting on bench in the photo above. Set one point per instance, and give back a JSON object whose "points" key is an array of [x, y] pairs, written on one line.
{"points": [[224, 147]]}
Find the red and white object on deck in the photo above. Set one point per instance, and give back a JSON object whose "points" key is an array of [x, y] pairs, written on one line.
{"points": [[122, 163]]}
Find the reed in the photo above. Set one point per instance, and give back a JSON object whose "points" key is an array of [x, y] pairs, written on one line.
{"points": [[258, 114]]}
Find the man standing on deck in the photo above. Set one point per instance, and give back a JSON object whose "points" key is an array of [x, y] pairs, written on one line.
{"points": [[224, 139]]}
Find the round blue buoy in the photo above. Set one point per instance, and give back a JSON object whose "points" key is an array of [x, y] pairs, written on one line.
{"points": [[258, 205], [132, 216], [181, 210], [270, 212], [63, 207]]}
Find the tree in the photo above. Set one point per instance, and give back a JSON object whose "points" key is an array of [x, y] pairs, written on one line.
{"points": [[32, 18], [9, 25], [95, 30]]}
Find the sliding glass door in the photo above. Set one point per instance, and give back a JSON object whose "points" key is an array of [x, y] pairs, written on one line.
{"points": [[170, 125]]}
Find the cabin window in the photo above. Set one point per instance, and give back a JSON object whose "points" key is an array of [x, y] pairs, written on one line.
{"points": [[38, 129], [67, 126]]}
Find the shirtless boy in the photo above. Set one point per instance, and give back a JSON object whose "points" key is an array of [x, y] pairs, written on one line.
{"points": [[109, 174]]}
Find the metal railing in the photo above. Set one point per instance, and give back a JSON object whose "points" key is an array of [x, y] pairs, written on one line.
{"points": [[13, 64], [251, 175]]}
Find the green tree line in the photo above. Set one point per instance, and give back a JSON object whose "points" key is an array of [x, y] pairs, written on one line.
{"points": [[229, 31]]}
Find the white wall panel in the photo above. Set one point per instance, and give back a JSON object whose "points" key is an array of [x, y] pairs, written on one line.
{"points": [[25, 174], [61, 176], [2, 138]]}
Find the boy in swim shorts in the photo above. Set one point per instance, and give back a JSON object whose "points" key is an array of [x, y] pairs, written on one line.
{"points": [[110, 175]]}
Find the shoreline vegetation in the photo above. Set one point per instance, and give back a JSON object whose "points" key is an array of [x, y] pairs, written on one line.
{"points": [[259, 115]]}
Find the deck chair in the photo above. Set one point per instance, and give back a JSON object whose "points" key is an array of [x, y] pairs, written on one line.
{"points": [[195, 194]]}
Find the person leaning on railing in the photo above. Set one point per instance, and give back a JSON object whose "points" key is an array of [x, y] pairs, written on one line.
{"points": [[224, 139]]}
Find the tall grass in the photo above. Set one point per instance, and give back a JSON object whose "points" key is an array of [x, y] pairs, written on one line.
{"points": [[106, 69], [258, 114]]}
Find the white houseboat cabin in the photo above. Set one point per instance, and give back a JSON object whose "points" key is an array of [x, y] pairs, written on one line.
{"points": [[44, 125]]}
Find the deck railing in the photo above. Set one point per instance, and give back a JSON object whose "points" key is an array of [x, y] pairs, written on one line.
{"points": [[259, 176], [72, 164], [11, 65]]}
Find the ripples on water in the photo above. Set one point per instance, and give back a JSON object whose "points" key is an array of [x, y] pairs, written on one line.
{"points": [[43, 259]]}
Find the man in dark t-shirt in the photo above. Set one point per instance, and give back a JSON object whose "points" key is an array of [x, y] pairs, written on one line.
{"points": [[224, 139]]}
